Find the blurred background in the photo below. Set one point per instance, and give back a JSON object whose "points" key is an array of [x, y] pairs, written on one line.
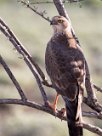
{"points": [[34, 32]]}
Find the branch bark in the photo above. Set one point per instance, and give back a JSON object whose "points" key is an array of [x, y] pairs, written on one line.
{"points": [[97, 88], [43, 93], [94, 129], [95, 115], [95, 106], [27, 58], [15, 82], [37, 106], [19, 47]]}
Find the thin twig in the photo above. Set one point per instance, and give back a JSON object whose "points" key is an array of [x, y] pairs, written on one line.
{"points": [[97, 88], [42, 2], [35, 10], [90, 92], [15, 82], [94, 105], [51, 2], [92, 115]]}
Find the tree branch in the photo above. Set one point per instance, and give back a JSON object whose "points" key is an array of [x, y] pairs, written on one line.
{"points": [[61, 9], [15, 82], [94, 105], [27, 58], [92, 115], [93, 129], [97, 88], [44, 96], [90, 92], [19, 47], [51, 2], [37, 106]]}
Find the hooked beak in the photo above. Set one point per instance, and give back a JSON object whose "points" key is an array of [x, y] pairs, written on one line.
{"points": [[53, 22]]}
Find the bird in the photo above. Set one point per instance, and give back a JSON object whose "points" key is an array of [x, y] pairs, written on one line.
{"points": [[65, 65]]}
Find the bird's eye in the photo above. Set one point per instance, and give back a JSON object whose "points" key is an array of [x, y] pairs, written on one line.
{"points": [[60, 21]]}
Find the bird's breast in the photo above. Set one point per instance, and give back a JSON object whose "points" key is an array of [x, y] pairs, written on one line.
{"points": [[62, 62]]}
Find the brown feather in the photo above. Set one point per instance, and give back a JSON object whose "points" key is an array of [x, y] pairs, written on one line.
{"points": [[65, 66]]}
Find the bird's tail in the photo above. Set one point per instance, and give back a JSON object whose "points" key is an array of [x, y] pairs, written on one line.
{"points": [[74, 116]]}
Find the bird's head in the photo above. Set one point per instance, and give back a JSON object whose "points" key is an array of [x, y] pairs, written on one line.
{"points": [[60, 24]]}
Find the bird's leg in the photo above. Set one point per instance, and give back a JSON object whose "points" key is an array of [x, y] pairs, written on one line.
{"points": [[54, 105]]}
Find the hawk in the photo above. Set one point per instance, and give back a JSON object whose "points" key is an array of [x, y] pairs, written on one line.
{"points": [[65, 65]]}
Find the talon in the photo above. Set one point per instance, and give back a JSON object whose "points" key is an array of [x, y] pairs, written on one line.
{"points": [[51, 106], [61, 113]]}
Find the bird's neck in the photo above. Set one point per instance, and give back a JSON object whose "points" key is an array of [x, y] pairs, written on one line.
{"points": [[68, 34], [71, 40]]}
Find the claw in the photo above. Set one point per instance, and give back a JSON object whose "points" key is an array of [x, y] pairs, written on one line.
{"points": [[51, 106], [61, 113]]}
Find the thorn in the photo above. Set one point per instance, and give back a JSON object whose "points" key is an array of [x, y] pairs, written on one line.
{"points": [[28, 1], [20, 57], [36, 8], [14, 49], [44, 12]]}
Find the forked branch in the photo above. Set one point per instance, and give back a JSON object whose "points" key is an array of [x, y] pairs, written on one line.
{"points": [[27, 57]]}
